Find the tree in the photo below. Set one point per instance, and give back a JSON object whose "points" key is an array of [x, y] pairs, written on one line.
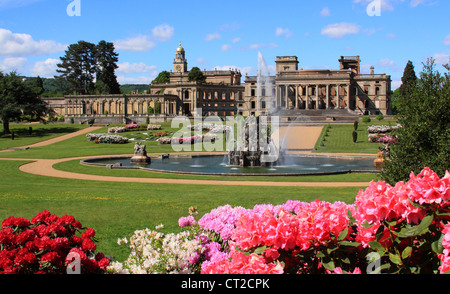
{"points": [[18, 98], [424, 136], [78, 68], [196, 75], [162, 78], [107, 58], [409, 78]]}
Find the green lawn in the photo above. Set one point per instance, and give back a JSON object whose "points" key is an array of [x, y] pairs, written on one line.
{"points": [[338, 139], [116, 210], [40, 132]]}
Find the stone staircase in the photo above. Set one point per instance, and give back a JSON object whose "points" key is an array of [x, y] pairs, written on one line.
{"points": [[317, 116]]}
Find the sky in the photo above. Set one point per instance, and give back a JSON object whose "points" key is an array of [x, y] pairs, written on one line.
{"points": [[34, 34]]}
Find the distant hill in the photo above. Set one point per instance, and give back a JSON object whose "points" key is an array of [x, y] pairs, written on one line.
{"points": [[52, 89]]}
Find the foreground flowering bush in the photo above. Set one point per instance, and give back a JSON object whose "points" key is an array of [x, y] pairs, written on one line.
{"points": [[388, 229], [48, 244]]}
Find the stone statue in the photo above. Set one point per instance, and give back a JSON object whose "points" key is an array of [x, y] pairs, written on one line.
{"points": [[140, 154]]}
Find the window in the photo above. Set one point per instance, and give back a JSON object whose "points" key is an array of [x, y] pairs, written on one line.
{"points": [[253, 104], [252, 92]]}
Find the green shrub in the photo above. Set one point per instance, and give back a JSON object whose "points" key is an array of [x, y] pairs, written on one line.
{"points": [[380, 117], [366, 119]]}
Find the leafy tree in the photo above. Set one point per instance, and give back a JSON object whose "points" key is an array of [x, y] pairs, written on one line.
{"points": [[424, 138], [19, 98], [107, 58], [78, 68], [162, 78], [196, 75]]}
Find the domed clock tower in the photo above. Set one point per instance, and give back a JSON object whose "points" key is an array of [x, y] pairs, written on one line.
{"points": [[180, 62]]}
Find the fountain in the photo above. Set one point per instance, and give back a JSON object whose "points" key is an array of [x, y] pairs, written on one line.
{"points": [[257, 149], [140, 155], [254, 146]]}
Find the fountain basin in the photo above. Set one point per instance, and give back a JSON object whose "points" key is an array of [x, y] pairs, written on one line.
{"points": [[296, 165]]}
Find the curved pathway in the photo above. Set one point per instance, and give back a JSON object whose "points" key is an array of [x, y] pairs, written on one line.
{"points": [[44, 167]]}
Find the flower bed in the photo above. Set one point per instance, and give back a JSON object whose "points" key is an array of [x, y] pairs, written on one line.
{"points": [[389, 229], [381, 134], [153, 127], [117, 130], [381, 129], [132, 126], [106, 138], [188, 140], [48, 244]]}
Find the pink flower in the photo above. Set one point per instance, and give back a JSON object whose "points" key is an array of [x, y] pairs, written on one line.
{"points": [[187, 221], [428, 188], [243, 264]]}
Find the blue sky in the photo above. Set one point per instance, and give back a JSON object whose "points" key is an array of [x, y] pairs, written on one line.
{"points": [[226, 34]]}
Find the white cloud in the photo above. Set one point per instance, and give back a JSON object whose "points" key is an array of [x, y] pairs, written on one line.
{"points": [[139, 43], [11, 64], [122, 80], [126, 68], [415, 3], [202, 60], [340, 30], [325, 11], [213, 36], [46, 68], [280, 32], [447, 40], [235, 40], [163, 32], [386, 62], [226, 47], [20, 45], [442, 58], [259, 46], [391, 36]]}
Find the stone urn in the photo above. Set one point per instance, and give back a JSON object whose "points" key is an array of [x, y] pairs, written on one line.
{"points": [[379, 161], [140, 155]]}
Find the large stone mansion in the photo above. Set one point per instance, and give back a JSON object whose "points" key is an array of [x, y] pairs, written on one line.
{"points": [[291, 91]]}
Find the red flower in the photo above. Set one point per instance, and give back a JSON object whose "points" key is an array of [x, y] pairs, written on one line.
{"points": [[88, 245], [88, 234]]}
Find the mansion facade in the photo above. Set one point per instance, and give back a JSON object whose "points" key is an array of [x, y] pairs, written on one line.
{"points": [[291, 91]]}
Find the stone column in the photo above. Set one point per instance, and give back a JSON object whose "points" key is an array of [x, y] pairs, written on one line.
{"points": [[317, 96], [328, 97], [307, 97], [296, 96], [286, 88], [338, 95], [348, 96]]}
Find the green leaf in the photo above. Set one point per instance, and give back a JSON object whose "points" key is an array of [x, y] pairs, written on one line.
{"points": [[417, 230], [395, 258], [260, 250], [329, 265], [376, 246], [343, 234], [436, 246], [349, 243], [406, 252]]}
